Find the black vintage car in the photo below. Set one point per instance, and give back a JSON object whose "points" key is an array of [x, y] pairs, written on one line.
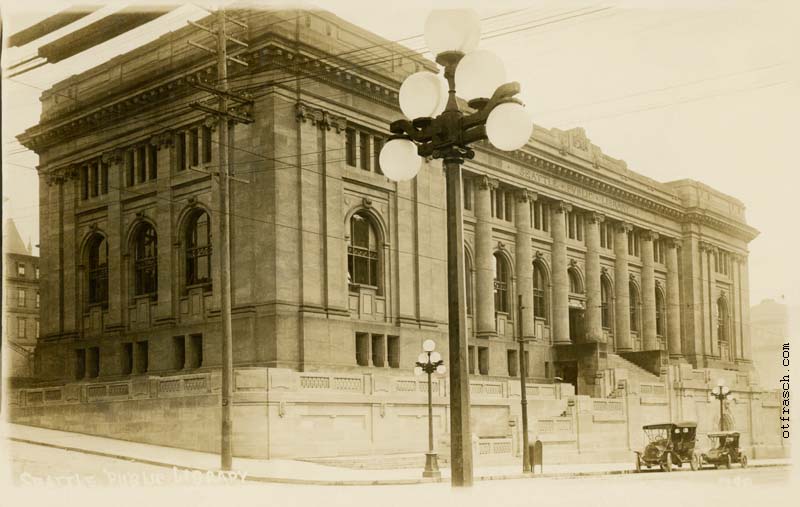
{"points": [[669, 444], [724, 450]]}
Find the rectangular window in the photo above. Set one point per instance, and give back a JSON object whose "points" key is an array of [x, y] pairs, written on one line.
{"points": [[499, 203], [84, 182], [127, 358], [492, 201], [180, 151], [350, 147], [178, 352], [37, 328], [377, 146], [21, 298], [483, 360], [363, 152], [472, 360], [570, 219], [194, 147], [93, 362], [141, 164], [467, 186], [509, 211], [362, 349], [393, 351], [22, 327], [130, 168], [141, 357], [152, 163], [579, 227], [206, 144], [38, 299], [80, 363], [194, 354], [95, 179], [21, 269], [378, 350], [36, 272], [513, 363], [104, 177]]}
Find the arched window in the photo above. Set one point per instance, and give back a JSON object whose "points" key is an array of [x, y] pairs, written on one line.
{"points": [[97, 251], [145, 261], [661, 314], [468, 280], [198, 249], [539, 291], [363, 255], [605, 302], [633, 293], [574, 281], [501, 279], [722, 319]]}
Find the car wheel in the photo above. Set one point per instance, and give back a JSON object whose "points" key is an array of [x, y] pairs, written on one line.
{"points": [[638, 464], [743, 461], [666, 465], [728, 461], [694, 462]]}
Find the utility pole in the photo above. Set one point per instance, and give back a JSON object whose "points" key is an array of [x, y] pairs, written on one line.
{"points": [[221, 90], [523, 380]]}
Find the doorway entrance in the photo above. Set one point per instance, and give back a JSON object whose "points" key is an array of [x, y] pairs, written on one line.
{"points": [[576, 322], [568, 371]]}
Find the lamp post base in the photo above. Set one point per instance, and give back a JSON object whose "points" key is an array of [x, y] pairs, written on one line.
{"points": [[431, 466]]}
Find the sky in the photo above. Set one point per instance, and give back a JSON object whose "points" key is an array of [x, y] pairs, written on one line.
{"points": [[678, 89]]}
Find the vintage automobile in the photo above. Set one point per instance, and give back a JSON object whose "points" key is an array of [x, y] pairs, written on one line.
{"points": [[724, 450], [669, 444]]}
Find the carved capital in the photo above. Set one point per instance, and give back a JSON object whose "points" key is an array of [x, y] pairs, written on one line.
{"points": [[621, 227], [486, 183], [670, 242], [648, 235], [705, 246], [162, 140], [560, 206], [211, 122], [594, 217], [524, 195], [112, 157]]}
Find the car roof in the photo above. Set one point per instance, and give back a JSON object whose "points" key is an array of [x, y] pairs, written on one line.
{"points": [[724, 434], [687, 424]]}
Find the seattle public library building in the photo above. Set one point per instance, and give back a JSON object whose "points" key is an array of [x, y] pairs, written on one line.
{"points": [[635, 292]]}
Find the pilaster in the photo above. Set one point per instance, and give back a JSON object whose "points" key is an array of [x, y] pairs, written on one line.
{"points": [[594, 322], [114, 237], [650, 341], [673, 301], [484, 275], [524, 267], [622, 331]]}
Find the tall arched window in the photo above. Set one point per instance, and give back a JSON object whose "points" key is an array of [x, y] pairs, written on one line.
{"points": [[145, 261], [539, 291], [363, 256], [661, 314], [722, 319], [501, 279], [605, 302], [468, 280], [97, 253], [633, 292], [198, 249], [574, 281]]}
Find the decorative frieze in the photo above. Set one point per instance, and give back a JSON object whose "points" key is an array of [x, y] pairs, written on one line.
{"points": [[320, 118]]}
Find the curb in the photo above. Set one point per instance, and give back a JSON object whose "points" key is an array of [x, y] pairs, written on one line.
{"points": [[356, 482]]}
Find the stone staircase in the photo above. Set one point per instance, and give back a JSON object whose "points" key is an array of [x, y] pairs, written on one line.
{"points": [[635, 373]]}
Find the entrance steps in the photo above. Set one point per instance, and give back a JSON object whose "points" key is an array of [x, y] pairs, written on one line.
{"points": [[635, 373]]}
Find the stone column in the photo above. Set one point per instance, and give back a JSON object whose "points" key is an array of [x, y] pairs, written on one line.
{"points": [[673, 301], [524, 267], [708, 346], [713, 313], [166, 308], [594, 317], [649, 341], [559, 275], [115, 237], [484, 261], [622, 329]]}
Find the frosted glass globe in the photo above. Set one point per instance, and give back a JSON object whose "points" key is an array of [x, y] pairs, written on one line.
{"points": [[435, 357], [417, 371], [509, 126], [479, 74], [452, 30], [429, 345], [399, 160], [441, 369], [423, 94], [422, 357]]}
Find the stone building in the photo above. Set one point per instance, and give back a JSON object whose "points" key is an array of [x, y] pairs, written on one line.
{"points": [[21, 306], [769, 328], [335, 269]]}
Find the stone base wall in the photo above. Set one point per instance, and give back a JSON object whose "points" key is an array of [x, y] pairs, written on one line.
{"points": [[281, 413]]}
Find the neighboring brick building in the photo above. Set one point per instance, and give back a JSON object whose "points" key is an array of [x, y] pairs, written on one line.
{"points": [[335, 269], [21, 304]]}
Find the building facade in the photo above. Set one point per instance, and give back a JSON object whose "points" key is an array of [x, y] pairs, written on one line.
{"points": [[337, 270], [769, 327], [21, 302]]}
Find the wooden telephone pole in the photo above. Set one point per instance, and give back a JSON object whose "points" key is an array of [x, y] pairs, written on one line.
{"points": [[221, 90]]}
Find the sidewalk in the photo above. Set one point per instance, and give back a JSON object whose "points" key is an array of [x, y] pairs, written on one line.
{"points": [[290, 471]]}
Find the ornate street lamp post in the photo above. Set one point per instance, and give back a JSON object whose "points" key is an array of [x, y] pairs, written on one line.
{"points": [[721, 392], [430, 361], [436, 127]]}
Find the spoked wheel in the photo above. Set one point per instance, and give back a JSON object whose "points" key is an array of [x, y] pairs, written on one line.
{"points": [[743, 461], [728, 461], [694, 462], [638, 464], [666, 465]]}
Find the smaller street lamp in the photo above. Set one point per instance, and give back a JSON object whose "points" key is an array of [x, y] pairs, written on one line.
{"points": [[430, 361], [721, 392]]}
